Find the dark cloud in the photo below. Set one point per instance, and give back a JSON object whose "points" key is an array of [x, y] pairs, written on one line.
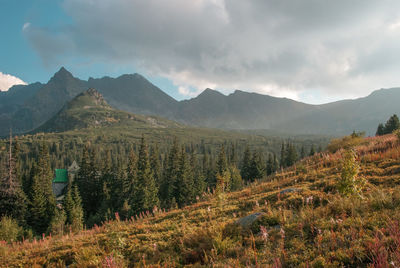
{"points": [[281, 47]]}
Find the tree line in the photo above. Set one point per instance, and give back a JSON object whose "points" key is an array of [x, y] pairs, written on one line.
{"points": [[148, 180], [391, 125]]}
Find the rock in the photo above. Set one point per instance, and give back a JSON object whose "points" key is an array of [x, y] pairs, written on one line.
{"points": [[247, 221], [290, 190]]}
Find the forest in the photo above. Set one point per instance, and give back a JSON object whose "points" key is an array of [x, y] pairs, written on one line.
{"points": [[123, 180]]}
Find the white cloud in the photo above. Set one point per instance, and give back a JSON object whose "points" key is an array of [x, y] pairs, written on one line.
{"points": [[7, 81], [26, 26], [287, 48]]}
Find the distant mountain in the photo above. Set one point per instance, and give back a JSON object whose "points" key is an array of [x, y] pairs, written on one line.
{"points": [[39, 102], [242, 110], [90, 110], [239, 110], [134, 93], [342, 117], [24, 108], [47, 101]]}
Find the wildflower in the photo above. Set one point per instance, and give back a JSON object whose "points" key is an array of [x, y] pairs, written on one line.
{"points": [[264, 233], [282, 233]]}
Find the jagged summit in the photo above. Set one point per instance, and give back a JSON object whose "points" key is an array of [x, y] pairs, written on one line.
{"points": [[62, 74]]}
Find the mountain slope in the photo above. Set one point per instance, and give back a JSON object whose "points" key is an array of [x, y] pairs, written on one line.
{"points": [[49, 99], [36, 103], [132, 93], [302, 221], [90, 110], [363, 114], [240, 110]]}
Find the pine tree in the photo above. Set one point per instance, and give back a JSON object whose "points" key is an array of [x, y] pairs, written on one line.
{"points": [[42, 203], [283, 155], [312, 150], [77, 211], [155, 164], [291, 155], [68, 203], [392, 124], [257, 166], [236, 182], [146, 195], [246, 165], [302, 152], [89, 183], [222, 164], [270, 165], [12, 197], [380, 130], [130, 182], [184, 187], [196, 176], [233, 156], [276, 164], [57, 223], [167, 188]]}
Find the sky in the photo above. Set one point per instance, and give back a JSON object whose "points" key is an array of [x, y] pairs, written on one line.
{"points": [[315, 51]]}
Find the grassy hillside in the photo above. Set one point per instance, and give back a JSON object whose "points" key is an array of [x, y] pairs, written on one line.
{"points": [[305, 222]]}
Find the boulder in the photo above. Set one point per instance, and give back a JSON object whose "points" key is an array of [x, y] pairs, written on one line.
{"points": [[247, 221]]}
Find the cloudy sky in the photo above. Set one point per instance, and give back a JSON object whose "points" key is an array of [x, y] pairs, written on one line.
{"points": [[314, 51]]}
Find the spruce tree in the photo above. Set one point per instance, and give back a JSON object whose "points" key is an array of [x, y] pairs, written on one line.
{"points": [[12, 197], [257, 166], [89, 183], [380, 130], [291, 155], [77, 211], [184, 187], [392, 124], [270, 165], [312, 150], [283, 155], [130, 182], [42, 203], [155, 164], [246, 165], [168, 183], [222, 164], [198, 176], [68, 203], [236, 182], [302, 152], [233, 156], [146, 194]]}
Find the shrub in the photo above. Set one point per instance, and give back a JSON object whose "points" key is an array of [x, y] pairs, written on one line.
{"points": [[349, 184], [10, 231]]}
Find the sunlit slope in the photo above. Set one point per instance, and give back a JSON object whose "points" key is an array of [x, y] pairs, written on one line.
{"points": [[304, 222]]}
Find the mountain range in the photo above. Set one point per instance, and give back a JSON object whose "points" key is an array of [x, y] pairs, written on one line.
{"points": [[27, 107]]}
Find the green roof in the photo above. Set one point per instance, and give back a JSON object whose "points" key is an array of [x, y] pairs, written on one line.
{"points": [[61, 176]]}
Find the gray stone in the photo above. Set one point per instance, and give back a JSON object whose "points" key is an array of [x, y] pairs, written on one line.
{"points": [[247, 221], [290, 190]]}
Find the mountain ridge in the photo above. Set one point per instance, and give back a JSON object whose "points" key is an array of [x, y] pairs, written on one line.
{"points": [[211, 108]]}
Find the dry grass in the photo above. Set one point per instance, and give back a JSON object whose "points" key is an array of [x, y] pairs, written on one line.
{"points": [[311, 226]]}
